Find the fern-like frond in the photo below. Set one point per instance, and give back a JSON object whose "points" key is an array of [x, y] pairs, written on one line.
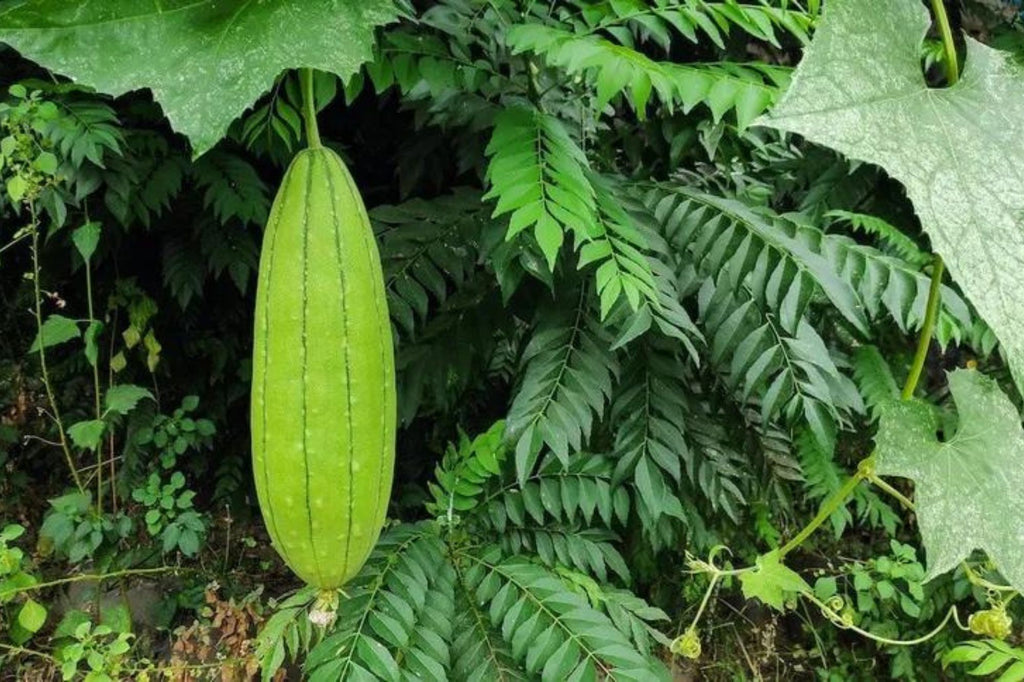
{"points": [[874, 378], [660, 20], [396, 620], [747, 89], [665, 311], [550, 515], [87, 129], [541, 177], [433, 380], [875, 511], [588, 550], [633, 615], [618, 246], [553, 632], [757, 274], [579, 493], [479, 654], [230, 247], [776, 447], [891, 286], [423, 65], [861, 283], [464, 471], [140, 184], [428, 250], [674, 454], [889, 235], [232, 188], [987, 657], [287, 634], [721, 234], [650, 412], [184, 269], [792, 374], [667, 315], [567, 378], [822, 476], [273, 128], [720, 469]]}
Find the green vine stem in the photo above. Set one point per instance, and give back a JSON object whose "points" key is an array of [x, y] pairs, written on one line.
{"points": [[828, 507], [688, 643], [950, 61], [976, 579], [876, 480], [22, 651], [924, 342], [309, 109], [162, 670], [14, 242], [96, 388], [838, 621], [110, 382], [938, 267], [94, 577], [34, 227]]}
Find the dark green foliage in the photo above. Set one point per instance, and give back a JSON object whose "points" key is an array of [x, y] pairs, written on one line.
{"points": [[662, 328], [430, 250], [438, 596], [567, 377]]}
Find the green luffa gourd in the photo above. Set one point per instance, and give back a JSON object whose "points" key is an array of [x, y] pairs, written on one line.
{"points": [[323, 394]]}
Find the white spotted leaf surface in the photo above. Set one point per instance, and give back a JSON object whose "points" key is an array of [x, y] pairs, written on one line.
{"points": [[204, 60], [967, 486], [958, 151]]}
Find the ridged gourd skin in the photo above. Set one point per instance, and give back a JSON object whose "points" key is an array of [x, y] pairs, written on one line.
{"points": [[323, 405]]}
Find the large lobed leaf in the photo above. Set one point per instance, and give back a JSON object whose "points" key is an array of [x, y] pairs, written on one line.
{"points": [[967, 485], [860, 90], [205, 61]]}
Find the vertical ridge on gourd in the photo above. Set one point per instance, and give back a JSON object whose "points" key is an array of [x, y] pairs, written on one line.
{"points": [[323, 401]]}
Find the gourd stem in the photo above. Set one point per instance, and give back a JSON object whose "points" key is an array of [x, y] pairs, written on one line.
{"points": [[950, 62], [925, 341], [309, 109]]}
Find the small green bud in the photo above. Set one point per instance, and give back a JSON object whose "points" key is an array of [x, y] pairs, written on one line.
{"points": [[687, 644]]}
